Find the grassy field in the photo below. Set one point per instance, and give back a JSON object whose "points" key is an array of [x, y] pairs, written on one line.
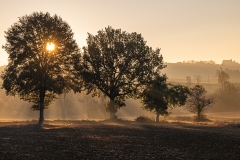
{"points": [[118, 140]]}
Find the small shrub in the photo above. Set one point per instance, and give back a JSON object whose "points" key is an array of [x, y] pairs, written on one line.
{"points": [[143, 119], [114, 119]]}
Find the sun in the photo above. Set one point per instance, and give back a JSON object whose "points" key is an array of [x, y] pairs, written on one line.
{"points": [[50, 46]]}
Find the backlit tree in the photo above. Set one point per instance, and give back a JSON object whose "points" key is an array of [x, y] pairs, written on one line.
{"points": [[223, 78], [198, 101], [117, 64], [41, 50], [159, 96]]}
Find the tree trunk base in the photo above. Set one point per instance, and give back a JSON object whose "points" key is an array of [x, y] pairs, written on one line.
{"points": [[40, 121], [157, 117], [112, 115]]}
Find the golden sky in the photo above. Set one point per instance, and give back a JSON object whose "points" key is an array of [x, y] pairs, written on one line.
{"points": [[183, 29]]}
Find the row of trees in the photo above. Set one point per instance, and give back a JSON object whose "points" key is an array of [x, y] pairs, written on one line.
{"points": [[203, 62], [197, 100], [228, 94], [114, 62], [161, 96], [189, 80], [45, 61]]}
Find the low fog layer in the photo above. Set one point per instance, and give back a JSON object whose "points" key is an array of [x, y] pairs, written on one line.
{"points": [[207, 71], [68, 107], [81, 106]]}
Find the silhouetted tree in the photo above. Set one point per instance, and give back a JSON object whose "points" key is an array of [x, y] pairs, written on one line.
{"points": [[189, 81], [33, 72], [117, 63], [198, 101], [223, 78], [228, 99], [160, 95], [234, 74], [198, 78]]}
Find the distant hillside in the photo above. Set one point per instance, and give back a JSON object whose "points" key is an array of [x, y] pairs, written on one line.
{"points": [[179, 71]]}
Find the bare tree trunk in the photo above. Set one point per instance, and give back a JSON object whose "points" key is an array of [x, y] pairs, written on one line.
{"points": [[63, 106], [157, 117], [199, 115], [41, 103], [112, 115], [112, 109]]}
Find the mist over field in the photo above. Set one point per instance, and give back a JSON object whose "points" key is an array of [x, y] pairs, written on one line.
{"points": [[177, 72], [79, 106]]}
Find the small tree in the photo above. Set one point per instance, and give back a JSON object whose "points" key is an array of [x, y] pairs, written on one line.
{"points": [[189, 81], [223, 78], [117, 64], [41, 50], [198, 101], [160, 95], [198, 78], [228, 99]]}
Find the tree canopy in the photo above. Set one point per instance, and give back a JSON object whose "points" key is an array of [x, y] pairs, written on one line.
{"points": [[117, 64], [35, 71], [198, 101], [227, 99], [159, 95], [223, 78]]}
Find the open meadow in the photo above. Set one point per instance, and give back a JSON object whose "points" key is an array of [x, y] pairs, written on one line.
{"points": [[118, 140]]}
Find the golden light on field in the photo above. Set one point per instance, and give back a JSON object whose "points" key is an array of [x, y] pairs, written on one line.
{"points": [[50, 46]]}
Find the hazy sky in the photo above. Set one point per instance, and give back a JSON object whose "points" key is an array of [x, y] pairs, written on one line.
{"points": [[183, 29]]}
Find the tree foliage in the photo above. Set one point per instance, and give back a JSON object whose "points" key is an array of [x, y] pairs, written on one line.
{"points": [[223, 78], [117, 63], [234, 74], [227, 96], [198, 101], [33, 72], [227, 99], [160, 95], [198, 78], [189, 81]]}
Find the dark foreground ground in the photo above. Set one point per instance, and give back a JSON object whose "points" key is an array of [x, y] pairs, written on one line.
{"points": [[127, 140]]}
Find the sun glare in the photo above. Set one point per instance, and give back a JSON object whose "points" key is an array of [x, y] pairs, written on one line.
{"points": [[50, 46]]}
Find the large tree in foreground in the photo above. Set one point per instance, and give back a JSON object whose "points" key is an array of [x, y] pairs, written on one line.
{"points": [[117, 63], [41, 49], [198, 101], [159, 96]]}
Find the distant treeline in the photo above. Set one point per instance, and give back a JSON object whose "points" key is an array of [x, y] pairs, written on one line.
{"points": [[233, 74], [206, 69], [228, 62]]}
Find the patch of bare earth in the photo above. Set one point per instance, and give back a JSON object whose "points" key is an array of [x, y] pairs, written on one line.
{"points": [[125, 140]]}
